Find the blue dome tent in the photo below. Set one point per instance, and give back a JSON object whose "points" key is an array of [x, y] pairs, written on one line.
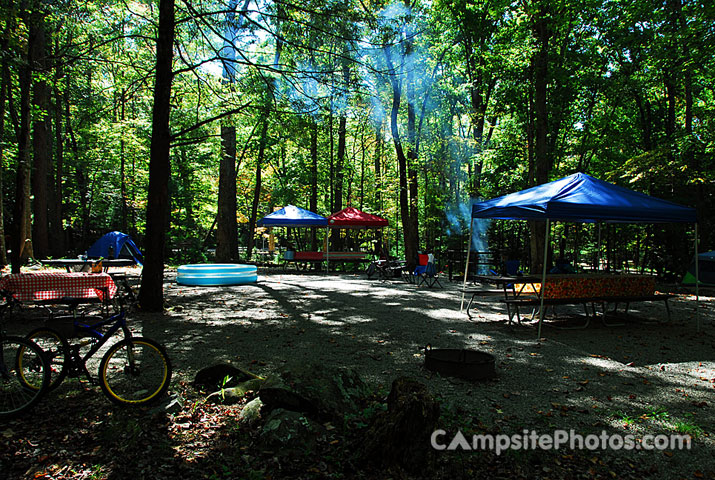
{"points": [[115, 245]]}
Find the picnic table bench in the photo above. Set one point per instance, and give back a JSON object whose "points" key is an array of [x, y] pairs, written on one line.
{"points": [[306, 258], [535, 302]]}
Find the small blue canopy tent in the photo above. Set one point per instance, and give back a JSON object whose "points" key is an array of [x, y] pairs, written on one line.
{"points": [[115, 245], [292, 216], [582, 198]]}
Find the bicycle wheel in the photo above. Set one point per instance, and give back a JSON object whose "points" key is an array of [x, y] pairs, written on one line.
{"points": [[56, 349], [24, 376], [135, 371]]}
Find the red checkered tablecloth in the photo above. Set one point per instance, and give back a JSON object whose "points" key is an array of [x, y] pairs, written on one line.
{"points": [[27, 287]]}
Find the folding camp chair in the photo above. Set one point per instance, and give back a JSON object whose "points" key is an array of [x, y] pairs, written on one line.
{"points": [[429, 274], [413, 276]]}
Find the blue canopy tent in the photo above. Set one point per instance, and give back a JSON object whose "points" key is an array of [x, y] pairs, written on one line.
{"points": [[292, 216], [115, 245], [582, 198]]}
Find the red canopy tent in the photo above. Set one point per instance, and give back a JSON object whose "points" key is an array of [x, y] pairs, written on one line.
{"points": [[351, 217]]}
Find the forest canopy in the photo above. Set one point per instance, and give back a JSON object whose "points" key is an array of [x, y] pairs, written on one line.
{"points": [[409, 110]]}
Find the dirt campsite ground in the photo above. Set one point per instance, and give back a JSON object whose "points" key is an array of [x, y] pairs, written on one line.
{"points": [[643, 379]]}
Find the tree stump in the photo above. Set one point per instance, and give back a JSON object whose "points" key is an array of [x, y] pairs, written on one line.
{"points": [[401, 435]]}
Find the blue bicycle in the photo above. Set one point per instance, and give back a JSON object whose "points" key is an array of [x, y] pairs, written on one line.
{"points": [[132, 371]]}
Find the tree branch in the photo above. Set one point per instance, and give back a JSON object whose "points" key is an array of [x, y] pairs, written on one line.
{"points": [[209, 120]]}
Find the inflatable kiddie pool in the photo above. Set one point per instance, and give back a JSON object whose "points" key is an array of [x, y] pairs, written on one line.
{"points": [[216, 274]]}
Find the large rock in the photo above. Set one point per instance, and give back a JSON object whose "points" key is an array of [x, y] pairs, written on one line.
{"points": [[251, 412], [314, 389], [401, 435], [288, 433]]}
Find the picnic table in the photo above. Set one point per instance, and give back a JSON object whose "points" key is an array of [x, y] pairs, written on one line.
{"points": [[570, 289], [59, 286]]}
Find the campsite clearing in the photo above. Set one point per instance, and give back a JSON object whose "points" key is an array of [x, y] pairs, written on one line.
{"points": [[639, 379]]}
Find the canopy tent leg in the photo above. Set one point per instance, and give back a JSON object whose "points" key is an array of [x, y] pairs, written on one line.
{"points": [[598, 249], [466, 267], [543, 276]]}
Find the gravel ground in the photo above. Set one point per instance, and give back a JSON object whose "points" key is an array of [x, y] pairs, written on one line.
{"points": [[644, 378], [641, 378]]}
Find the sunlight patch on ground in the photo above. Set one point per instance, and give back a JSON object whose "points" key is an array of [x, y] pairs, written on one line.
{"points": [[355, 319], [440, 314], [701, 372], [600, 362]]}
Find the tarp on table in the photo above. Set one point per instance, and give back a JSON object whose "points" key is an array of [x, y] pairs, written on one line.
{"points": [[706, 270], [115, 245], [582, 198], [351, 217], [292, 216]]}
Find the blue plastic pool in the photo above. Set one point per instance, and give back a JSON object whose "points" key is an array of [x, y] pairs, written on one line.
{"points": [[216, 274]]}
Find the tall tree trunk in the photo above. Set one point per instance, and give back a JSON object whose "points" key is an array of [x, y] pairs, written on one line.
{"points": [[84, 181], [670, 90], [479, 92], [339, 172], [185, 179], [542, 36], [123, 165], [340, 162], [78, 172], [58, 245], [257, 189], [313, 179], [21, 238], [378, 169], [40, 140], [644, 114], [412, 227], [5, 82], [410, 246], [80, 178], [363, 147], [151, 295], [226, 226], [342, 137]]}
